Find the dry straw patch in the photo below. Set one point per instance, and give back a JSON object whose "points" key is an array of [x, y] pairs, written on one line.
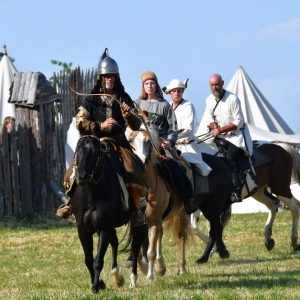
{"points": [[44, 260]]}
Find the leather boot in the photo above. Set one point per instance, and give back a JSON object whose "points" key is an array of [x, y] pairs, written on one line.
{"points": [[236, 195], [64, 211], [190, 207], [137, 217]]}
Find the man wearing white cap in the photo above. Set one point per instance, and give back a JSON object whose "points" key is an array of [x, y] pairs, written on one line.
{"points": [[185, 115]]}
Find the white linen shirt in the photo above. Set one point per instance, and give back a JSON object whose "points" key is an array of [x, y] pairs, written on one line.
{"points": [[185, 115], [229, 111]]}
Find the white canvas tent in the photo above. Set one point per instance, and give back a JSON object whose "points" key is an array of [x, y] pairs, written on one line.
{"points": [[7, 70], [264, 124]]}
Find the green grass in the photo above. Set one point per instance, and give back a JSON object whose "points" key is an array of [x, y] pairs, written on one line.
{"points": [[44, 260]]}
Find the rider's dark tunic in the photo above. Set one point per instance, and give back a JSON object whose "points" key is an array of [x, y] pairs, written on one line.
{"points": [[94, 111]]}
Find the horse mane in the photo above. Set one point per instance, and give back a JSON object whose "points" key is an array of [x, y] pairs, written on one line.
{"points": [[296, 160], [154, 140]]}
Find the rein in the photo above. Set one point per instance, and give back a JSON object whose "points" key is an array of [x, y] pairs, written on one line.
{"points": [[132, 111], [150, 137], [92, 180]]}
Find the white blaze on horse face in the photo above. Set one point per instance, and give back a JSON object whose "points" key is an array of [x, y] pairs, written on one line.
{"points": [[139, 146]]}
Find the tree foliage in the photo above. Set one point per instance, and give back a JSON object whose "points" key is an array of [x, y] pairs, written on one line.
{"points": [[66, 67], [2, 54]]}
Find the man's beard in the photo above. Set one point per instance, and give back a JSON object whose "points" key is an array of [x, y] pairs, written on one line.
{"points": [[217, 94], [109, 86]]}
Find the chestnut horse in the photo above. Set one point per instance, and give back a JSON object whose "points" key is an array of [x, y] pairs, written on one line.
{"points": [[159, 208], [96, 205], [270, 185], [216, 203]]}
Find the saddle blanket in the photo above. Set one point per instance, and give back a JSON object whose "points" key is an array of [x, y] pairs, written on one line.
{"points": [[258, 158]]}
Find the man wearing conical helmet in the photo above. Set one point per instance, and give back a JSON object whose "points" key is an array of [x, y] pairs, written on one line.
{"points": [[105, 117]]}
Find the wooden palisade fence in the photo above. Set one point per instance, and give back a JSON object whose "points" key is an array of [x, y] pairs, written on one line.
{"points": [[33, 153]]}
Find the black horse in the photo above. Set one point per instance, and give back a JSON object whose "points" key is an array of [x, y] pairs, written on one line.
{"points": [[97, 207], [212, 194]]}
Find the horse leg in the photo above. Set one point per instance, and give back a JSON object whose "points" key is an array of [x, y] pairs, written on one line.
{"points": [[293, 204], [118, 278], [86, 240], [181, 227], [138, 234], [104, 240], [160, 267], [151, 254], [142, 258], [203, 237], [215, 231], [272, 203], [207, 251], [222, 250]]}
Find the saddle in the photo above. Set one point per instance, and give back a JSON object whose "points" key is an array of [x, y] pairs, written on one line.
{"points": [[258, 158], [113, 151]]}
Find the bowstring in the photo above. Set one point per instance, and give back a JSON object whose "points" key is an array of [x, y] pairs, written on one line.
{"points": [[114, 98]]}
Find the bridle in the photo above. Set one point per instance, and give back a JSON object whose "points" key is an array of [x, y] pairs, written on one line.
{"points": [[100, 155]]}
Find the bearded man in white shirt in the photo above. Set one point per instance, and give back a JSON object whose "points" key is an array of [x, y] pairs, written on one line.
{"points": [[227, 124]]}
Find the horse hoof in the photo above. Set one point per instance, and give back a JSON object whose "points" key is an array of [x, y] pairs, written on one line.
{"points": [[224, 254], [100, 286], [296, 248], [161, 272], [120, 281], [201, 260], [149, 279], [270, 245], [181, 272]]}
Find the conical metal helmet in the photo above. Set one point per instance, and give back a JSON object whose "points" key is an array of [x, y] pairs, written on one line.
{"points": [[107, 65]]}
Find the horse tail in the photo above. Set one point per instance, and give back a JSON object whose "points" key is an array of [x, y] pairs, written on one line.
{"points": [[226, 213], [296, 160], [135, 236], [179, 227]]}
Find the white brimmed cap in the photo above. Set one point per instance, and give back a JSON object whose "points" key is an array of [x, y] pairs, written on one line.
{"points": [[175, 84]]}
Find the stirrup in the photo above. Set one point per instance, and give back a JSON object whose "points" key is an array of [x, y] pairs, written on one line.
{"points": [[236, 197]]}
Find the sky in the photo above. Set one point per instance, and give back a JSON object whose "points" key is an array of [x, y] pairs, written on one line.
{"points": [[175, 39]]}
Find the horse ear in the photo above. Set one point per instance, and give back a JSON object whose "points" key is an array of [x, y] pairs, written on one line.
{"points": [[146, 113]]}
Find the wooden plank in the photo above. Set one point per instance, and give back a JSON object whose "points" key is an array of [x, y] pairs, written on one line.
{"points": [[22, 88], [46, 100], [15, 172], [25, 170], [32, 89], [27, 85], [7, 174], [16, 87]]}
